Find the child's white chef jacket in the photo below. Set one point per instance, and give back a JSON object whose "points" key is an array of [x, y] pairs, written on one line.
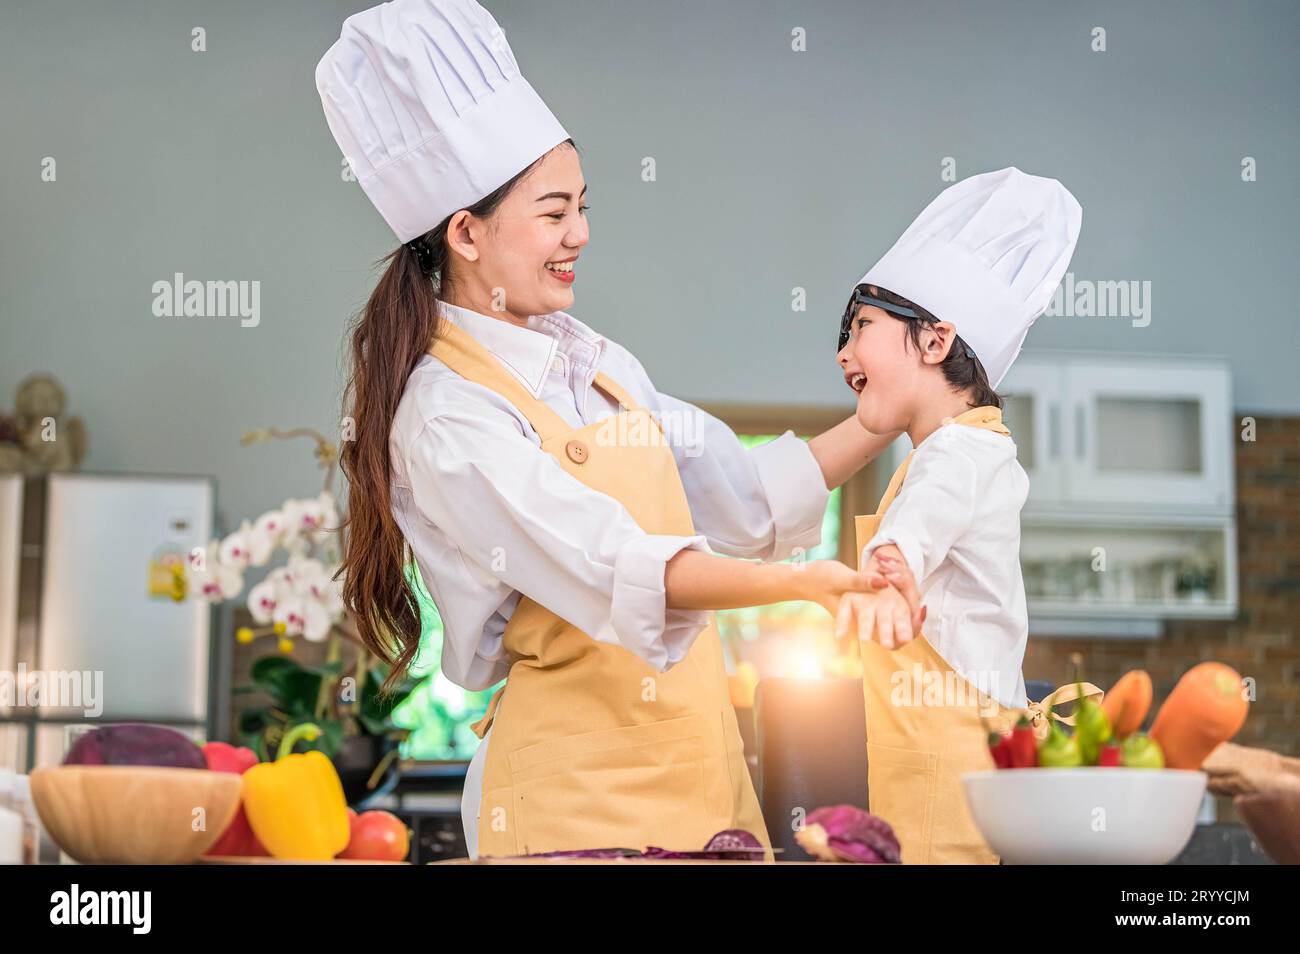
{"points": [[956, 519], [489, 515]]}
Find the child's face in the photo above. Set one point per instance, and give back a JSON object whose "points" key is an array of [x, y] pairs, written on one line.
{"points": [[878, 365]]}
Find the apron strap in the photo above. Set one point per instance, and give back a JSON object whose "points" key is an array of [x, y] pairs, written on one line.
{"points": [[457, 349], [986, 417], [1042, 713], [480, 727], [463, 354], [615, 390]]}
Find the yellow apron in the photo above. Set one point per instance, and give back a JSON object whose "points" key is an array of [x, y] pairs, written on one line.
{"points": [[919, 745], [592, 747]]}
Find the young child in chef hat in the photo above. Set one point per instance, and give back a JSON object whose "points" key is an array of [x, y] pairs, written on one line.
{"points": [[928, 335]]}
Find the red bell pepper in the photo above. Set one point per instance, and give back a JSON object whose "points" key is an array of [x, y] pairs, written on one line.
{"points": [[1109, 755], [238, 838], [1023, 745], [999, 749]]}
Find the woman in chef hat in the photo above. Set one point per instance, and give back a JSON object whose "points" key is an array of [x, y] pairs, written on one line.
{"points": [[927, 337], [565, 536]]}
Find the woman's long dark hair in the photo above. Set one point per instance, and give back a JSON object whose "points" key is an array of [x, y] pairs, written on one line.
{"points": [[963, 373], [389, 335]]}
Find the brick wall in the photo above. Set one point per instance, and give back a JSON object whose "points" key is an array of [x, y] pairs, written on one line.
{"points": [[1261, 642]]}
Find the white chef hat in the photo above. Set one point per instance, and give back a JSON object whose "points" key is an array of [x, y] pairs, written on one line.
{"points": [[986, 255], [426, 101]]}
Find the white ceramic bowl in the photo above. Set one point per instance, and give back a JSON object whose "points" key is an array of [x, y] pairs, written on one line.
{"points": [[1087, 815]]}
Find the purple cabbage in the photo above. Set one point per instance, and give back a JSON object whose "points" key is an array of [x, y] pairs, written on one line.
{"points": [[136, 743], [589, 853], [848, 833], [734, 844]]}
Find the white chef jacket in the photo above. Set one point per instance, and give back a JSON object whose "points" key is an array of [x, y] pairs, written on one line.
{"points": [[489, 515], [956, 519]]}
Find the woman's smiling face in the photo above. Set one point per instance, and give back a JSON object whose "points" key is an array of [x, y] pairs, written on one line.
{"points": [[519, 261]]}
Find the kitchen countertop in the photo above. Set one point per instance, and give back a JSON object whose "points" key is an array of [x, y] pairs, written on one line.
{"points": [[1222, 843]]}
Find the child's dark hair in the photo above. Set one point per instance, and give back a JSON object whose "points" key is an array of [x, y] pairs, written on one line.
{"points": [[961, 372]]}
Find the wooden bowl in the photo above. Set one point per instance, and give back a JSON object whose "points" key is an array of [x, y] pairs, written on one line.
{"points": [[134, 814]]}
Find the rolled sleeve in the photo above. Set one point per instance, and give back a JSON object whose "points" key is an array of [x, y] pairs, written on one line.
{"points": [[765, 502], [639, 605], [512, 511], [796, 492]]}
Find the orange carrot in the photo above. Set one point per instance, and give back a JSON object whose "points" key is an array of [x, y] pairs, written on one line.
{"points": [[1127, 704], [1207, 707]]}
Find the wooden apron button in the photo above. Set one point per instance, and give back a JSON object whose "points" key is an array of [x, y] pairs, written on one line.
{"points": [[577, 451]]}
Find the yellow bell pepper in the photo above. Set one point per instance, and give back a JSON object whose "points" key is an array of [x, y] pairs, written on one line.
{"points": [[296, 804]]}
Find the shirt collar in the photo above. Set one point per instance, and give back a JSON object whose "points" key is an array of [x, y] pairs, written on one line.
{"points": [[529, 351]]}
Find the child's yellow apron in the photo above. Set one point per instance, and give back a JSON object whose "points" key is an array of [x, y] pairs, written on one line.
{"points": [[923, 734], [592, 747]]}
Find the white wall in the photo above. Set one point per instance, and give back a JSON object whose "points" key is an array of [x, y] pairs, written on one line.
{"points": [[775, 169]]}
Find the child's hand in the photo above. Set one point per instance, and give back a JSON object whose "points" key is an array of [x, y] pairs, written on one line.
{"points": [[826, 582], [888, 566], [883, 614], [892, 612]]}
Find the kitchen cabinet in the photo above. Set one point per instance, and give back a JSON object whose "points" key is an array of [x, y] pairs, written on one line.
{"points": [[1131, 434], [1130, 516], [1031, 408], [1110, 569]]}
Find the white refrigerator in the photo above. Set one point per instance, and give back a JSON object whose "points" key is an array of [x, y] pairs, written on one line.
{"points": [[90, 633]]}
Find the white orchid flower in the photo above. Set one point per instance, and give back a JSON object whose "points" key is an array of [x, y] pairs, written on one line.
{"points": [[314, 579], [211, 579], [282, 583], [314, 517], [237, 549], [329, 512], [262, 601], [318, 622], [290, 612], [304, 516], [303, 616], [330, 592], [268, 533], [311, 581]]}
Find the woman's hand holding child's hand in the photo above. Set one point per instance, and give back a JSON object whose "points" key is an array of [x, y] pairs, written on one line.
{"points": [[892, 612], [828, 581]]}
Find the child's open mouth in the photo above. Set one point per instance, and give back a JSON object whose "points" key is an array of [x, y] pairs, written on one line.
{"points": [[856, 381]]}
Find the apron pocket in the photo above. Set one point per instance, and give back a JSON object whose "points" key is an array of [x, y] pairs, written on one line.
{"points": [[901, 790], [656, 784]]}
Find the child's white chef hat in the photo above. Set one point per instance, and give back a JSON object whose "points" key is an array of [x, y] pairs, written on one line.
{"points": [[426, 101], [986, 255]]}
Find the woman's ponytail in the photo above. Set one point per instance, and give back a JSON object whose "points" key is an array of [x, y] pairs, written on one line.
{"points": [[389, 336]]}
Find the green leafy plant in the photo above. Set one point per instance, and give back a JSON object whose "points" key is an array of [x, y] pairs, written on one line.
{"points": [[301, 693]]}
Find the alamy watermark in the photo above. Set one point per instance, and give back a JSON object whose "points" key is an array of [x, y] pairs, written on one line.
{"points": [[212, 299], [939, 688], [54, 689], [1084, 298]]}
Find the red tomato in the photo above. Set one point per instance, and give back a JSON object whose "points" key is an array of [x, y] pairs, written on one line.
{"points": [[376, 836]]}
